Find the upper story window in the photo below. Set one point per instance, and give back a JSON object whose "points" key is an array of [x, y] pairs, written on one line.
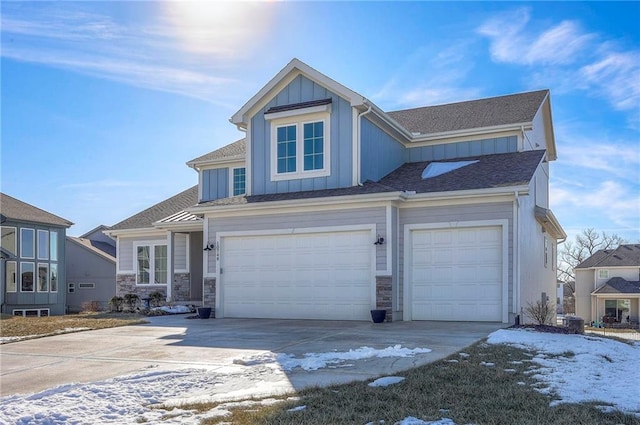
{"points": [[603, 274], [54, 245], [27, 243], [9, 240], [300, 142], [238, 181], [43, 245]]}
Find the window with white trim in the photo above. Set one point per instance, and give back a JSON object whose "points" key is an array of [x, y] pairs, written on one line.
{"points": [[151, 264], [27, 270], [43, 277], [603, 274], [43, 245], [11, 276], [53, 279], [27, 243], [9, 240], [300, 147], [53, 239], [238, 181]]}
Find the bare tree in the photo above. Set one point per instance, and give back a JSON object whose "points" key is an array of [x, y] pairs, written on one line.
{"points": [[585, 245]]}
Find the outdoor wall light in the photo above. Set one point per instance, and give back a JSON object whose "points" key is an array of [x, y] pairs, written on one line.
{"points": [[379, 240], [210, 246]]}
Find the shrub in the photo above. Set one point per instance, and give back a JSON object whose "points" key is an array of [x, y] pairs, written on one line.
{"points": [[156, 298], [116, 303], [541, 312], [91, 306], [131, 300]]}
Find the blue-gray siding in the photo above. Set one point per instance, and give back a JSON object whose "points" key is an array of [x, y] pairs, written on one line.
{"points": [[215, 184], [379, 152], [463, 149], [302, 89]]}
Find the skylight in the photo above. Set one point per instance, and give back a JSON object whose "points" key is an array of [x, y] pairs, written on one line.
{"points": [[437, 168]]}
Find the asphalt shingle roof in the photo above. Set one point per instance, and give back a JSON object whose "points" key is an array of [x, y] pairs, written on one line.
{"points": [[15, 209], [502, 110], [624, 255], [160, 210], [618, 285], [237, 148], [100, 248]]}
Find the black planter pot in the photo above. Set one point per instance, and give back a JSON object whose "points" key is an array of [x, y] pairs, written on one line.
{"points": [[204, 312], [378, 316]]}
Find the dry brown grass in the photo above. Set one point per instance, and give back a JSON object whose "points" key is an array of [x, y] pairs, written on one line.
{"points": [[14, 326]]}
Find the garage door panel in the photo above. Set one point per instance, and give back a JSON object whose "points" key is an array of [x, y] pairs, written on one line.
{"points": [[314, 276], [456, 274]]}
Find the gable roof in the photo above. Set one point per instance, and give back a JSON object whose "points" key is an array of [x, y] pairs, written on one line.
{"points": [[14, 209], [627, 255], [232, 151], [97, 229], [101, 249], [513, 109], [618, 285], [173, 205]]}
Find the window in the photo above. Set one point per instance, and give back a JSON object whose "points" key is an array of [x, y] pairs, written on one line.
{"points": [[27, 271], [300, 146], [27, 242], [9, 240], [40, 312], [546, 252], [43, 277], [10, 274], [617, 309], [603, 274], [86, 285], [71, 287], [53, 239], [53, 277], [43, 245], [151, 262], [238, 181]]}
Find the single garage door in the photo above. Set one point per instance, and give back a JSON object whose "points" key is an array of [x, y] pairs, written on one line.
{"points": [[456, 274], [326, 275]]}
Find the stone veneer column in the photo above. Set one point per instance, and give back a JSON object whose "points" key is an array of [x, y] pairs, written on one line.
{"points": [[181, 287], [125, 284], [384, 296], [209, 292]]}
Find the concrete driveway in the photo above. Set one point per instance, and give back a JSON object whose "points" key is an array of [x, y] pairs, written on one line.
{"points": [[175, 342]]}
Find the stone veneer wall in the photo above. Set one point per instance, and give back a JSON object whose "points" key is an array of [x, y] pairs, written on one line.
{"points": [[384, 296], [209, 293], [181, 290], [126, 284]]}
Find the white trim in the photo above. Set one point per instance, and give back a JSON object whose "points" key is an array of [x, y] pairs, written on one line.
{"points": [[388, 238], [34, 282], [170, 242], [24, 311], [408, 258], [355, 147], [323, 109], [48, 244], [15, 276], [299, 123], [151, 244], [37, 278], [187, 253], [205, 257], [232, 183], [51, 266], [139, 232], [248, 160], [33, 243]]}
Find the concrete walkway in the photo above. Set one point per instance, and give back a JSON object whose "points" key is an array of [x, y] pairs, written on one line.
{"points": [[175, 342]]}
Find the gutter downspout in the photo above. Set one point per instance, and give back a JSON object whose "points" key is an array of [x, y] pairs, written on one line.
{"points": [[358, 141], [516, 255]]}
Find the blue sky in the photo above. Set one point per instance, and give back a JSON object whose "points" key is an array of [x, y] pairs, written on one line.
{"points": [[104, 102]]}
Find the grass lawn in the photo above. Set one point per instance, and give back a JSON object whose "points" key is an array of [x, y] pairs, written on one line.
{"points": [[488, 384], [15, 326]]}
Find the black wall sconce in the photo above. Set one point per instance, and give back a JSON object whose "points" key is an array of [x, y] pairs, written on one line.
{"points": [[379, 240], [210, 247]]}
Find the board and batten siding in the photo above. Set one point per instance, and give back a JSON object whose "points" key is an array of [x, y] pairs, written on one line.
{"points": [[180, 258], [125, 250], [379, 152], [360, 216], [453, 215], [302, 89], [463, 149], [215, 184]]}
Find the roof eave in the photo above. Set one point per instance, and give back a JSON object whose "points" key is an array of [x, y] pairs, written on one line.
{"points": [[213, 162], [550, 223], [520, 190], [472, 132]]}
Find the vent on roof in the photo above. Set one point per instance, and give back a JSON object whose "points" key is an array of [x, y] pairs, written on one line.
{"points": [[437, 168]]}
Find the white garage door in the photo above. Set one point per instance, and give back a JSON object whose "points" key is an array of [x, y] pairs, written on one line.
{"points": [[456, 274], [300, 276]]}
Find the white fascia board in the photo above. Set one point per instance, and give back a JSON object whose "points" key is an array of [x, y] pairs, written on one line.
{"points": [[135, 232], [216, 163], [471, 132], [188, 226], [286, 75], [549, 132], [510, 191]]}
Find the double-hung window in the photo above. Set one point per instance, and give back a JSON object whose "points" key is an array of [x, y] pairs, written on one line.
{"points": [[151, 264], [300, 146]]}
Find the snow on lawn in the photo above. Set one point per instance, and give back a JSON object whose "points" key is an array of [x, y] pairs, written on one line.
{"points": [[580, 368], [385, 381]]}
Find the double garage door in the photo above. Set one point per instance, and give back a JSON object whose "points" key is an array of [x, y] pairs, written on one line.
{"points": [[324, 275], [457, 274]]}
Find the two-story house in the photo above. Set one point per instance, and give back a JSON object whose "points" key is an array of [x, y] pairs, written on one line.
{"points": [[32, 264], [608, 286], [330, 207]]}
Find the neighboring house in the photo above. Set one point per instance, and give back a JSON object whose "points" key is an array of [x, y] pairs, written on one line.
{"points": [[608, 285], [91, 270], [331, 207], [559, 297], [32, 268]]}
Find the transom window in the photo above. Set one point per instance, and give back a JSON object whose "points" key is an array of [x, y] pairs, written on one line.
{"points": [[239, 181], [151, 264], [300, 147]]}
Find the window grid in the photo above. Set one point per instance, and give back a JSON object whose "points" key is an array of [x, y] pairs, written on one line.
{"points": [[313, 146], [286, 145], [239, 181]]}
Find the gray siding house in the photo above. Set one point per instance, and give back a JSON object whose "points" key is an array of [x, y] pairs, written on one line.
{"points": [[330, 207], [32, 266], [91, 270]]}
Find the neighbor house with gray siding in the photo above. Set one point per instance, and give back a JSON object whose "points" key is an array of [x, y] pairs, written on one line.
{"points": [[32, 265], [330, 207]]}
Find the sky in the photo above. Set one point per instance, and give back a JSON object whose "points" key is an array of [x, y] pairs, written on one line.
{"points": [[131, 398], [103, 103]]}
